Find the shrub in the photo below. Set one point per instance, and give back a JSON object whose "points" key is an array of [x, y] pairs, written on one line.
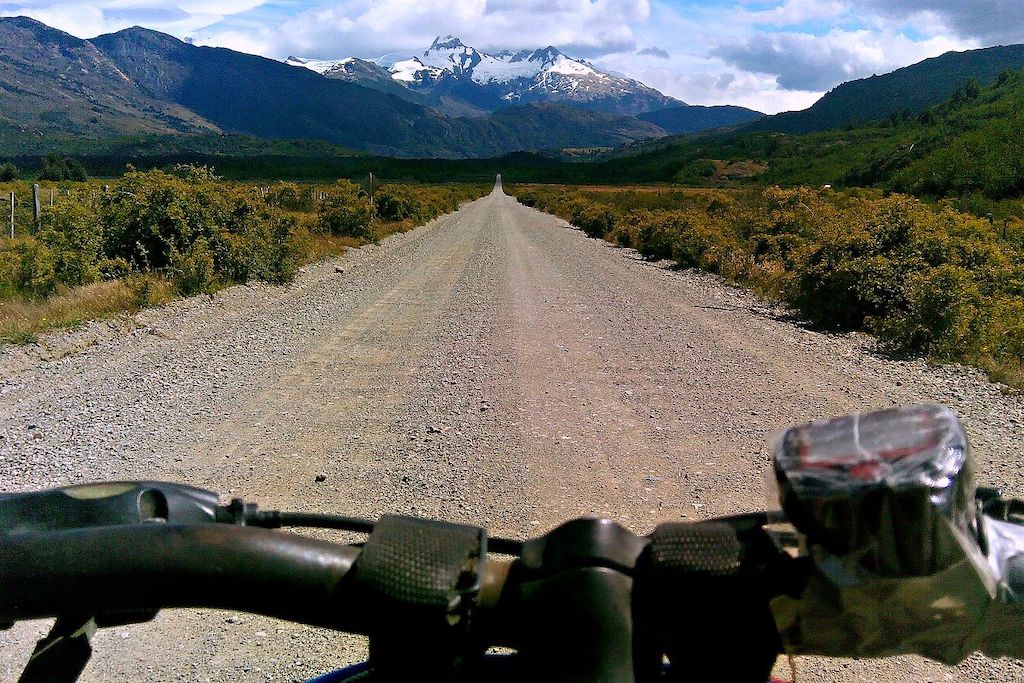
{"points": [[924, 279], [290, 197], [8, 172], [72, 232], [941, 316], [346, 212], [194, 270], [397, 203], [31, 268]]}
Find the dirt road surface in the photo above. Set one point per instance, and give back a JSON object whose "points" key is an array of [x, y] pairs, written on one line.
{"points": [[492, 367]]}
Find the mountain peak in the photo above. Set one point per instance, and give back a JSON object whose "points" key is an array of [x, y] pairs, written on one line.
{"points": [[448, 42], [451, 71], [546, 54]]}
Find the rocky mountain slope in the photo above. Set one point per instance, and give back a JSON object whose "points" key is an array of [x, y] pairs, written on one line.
{"points": [[52, 82]]}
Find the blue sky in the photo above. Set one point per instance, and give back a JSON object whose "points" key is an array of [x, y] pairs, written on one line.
{"points": [[771, 55]]}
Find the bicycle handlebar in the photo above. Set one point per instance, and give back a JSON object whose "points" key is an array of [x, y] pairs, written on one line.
{"points": [[133, 568], [899, 554], [573, 602]]}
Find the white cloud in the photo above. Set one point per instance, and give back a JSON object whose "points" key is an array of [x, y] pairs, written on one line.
{"points": [[709, 81], [804, 61], [793, 12], [89, 19], [990, 21], [367, 29]]}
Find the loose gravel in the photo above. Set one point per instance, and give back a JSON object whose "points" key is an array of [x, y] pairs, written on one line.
{"points": [[494, 366]]}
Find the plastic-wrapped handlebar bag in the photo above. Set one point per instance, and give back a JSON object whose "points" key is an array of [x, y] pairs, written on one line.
{"points": [[900, 558]]}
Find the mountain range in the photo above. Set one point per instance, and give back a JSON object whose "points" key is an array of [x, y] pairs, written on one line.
{"points": [[138, 89], [56, 88], [452, 76]]}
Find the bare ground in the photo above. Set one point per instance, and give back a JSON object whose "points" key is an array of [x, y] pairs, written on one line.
{"points": [[492, 367]]}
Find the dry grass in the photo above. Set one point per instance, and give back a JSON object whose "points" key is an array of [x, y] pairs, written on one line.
{"points": [[22, 319], [382, 229], [320, 247], [1008, 372]]}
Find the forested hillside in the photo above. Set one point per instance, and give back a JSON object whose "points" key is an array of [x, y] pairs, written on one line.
{"points": [[971, 144]]}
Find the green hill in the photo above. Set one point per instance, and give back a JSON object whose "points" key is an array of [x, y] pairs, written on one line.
{"points": [[911, 89], [971, 144]]}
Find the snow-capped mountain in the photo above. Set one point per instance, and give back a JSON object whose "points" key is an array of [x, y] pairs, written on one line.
{"points": [[450, 73]]}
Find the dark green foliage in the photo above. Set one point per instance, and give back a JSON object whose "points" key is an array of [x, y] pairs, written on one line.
{"points": [[8, 172], [73, 234], [396, 203], [187, 224], [58, 168], [969, 145], [291, 197], [421, 203]]}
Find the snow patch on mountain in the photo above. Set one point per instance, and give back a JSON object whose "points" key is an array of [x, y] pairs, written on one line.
{"points": [[543, 75], [414, 71], [317, 65]]}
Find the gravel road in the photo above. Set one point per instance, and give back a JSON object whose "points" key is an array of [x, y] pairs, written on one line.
{"points": [[494, 367]]}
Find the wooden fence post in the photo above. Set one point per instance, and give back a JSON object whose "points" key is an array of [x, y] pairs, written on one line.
{"points": [[36, 209], [12, 214], [51, 199]]}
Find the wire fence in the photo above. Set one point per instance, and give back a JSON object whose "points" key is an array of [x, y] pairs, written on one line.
{"points": [[23, 207]]}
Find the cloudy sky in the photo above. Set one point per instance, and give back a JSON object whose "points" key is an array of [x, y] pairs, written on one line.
{"points": [[771, 55]]}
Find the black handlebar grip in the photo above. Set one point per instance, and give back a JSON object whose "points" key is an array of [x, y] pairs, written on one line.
{"points": [[698, 604], [707, 549], [127, 568], [417, 581]]}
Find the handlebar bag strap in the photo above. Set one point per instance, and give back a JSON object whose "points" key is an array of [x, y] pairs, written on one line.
{"points": [[417, 581], [696, 603]]}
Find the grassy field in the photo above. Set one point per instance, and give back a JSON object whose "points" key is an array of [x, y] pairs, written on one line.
{"points": [[925, 278], [105, 248]]}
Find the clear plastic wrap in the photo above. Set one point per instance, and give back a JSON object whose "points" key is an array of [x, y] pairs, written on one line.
{"points": [[899, 558]]}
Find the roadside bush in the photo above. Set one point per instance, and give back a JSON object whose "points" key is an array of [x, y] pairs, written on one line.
{"points": [[8, 172], [198, 228], [397, 203], [594, 219], [654, 233], [28, 267], [256, 243], [194, 270], [290, 197], [925, 279], [72, 232], [346, 212], [941, 316], [182, 231]]}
